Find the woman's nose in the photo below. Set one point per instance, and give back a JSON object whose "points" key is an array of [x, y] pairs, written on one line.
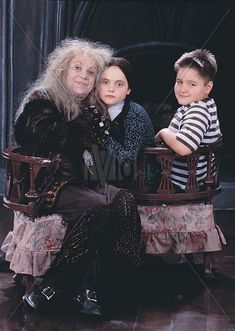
{"points": [[83, 73]]}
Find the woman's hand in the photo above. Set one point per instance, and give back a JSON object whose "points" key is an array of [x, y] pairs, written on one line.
{"points": [[98, 124]]}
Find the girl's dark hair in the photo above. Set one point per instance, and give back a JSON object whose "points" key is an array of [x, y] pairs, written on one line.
{"points": [[200, 59], [125, 67]]}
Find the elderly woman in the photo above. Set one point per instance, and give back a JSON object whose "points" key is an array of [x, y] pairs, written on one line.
{"points": [[103, 222]]}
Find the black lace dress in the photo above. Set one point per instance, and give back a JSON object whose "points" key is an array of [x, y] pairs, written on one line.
{"points": [[103, 240]]}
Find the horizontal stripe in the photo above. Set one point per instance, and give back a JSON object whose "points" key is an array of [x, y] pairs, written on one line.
{"points": [[196, 124]]}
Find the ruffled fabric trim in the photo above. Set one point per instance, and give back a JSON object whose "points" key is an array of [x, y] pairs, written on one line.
{"points": [[33, 244], [180, 229]]}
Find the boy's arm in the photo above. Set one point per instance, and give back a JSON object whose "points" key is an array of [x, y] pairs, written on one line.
{"points": [[185, 137], [169, 138]]}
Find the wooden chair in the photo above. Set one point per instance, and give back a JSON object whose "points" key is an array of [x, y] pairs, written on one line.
{"points": [[21, 174], [180, 222], [20, 195]]}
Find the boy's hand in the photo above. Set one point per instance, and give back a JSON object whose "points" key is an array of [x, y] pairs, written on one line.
{"points": [[169, 138], [158, 139]]}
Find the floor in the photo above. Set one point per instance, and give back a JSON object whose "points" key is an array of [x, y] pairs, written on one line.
{"points": [[173, 296]]}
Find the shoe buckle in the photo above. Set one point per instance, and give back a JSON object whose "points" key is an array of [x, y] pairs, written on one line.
{"points": [[78, 298], [48, 292], [89, 295]]}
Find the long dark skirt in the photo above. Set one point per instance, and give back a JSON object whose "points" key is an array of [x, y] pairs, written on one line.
{"points": [[102, 248]]}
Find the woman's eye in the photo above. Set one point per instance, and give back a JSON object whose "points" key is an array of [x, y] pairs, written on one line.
{"points": [[91, 72]]}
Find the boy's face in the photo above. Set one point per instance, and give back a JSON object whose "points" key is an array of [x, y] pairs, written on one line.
{"points": [[113, 86], [191, 86]]}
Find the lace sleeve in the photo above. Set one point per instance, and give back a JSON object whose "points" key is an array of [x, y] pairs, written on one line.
{"points": [[41, 126]]}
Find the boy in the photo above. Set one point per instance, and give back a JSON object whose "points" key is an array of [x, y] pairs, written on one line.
{"points": [[195, 123]]}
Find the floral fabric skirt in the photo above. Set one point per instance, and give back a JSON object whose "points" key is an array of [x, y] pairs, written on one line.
{"points": [[88, 227]]}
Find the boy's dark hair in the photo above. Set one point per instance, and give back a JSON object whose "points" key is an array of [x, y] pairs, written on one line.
{"points": [[200, 59], [125, 66]]}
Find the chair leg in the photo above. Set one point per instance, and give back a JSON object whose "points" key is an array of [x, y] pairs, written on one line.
{"points": [[189, 258], [208, 264], [18, 278], [29, 283]]}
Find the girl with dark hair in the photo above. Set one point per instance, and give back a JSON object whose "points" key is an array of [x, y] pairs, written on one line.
{"points": [[131, 129]]}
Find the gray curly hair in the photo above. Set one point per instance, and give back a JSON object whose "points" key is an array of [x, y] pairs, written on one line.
{"points": [[52, 81]]}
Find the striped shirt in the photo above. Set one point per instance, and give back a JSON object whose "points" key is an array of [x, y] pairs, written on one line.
{"points": [[195, 125]]}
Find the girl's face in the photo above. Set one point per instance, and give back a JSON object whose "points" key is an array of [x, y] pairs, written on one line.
{"points": [[113, 86], [81, 75], [191, 86]]}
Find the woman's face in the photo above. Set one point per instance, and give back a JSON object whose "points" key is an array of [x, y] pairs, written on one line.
{"points": [[81, 75], [113, 86]]}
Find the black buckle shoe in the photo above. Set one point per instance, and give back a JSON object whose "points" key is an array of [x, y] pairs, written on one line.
{"points": [[48, 292], [88, 303], [39, 300]]}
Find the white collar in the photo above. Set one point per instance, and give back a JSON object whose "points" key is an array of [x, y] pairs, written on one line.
{"points": [[115, 110]]}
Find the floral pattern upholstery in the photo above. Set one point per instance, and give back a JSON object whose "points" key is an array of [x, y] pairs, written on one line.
{"points": [[32, 245], [180, 229]]}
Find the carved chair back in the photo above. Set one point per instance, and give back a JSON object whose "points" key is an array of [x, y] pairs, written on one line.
{"points": [[21, 175], [165, 191]]}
